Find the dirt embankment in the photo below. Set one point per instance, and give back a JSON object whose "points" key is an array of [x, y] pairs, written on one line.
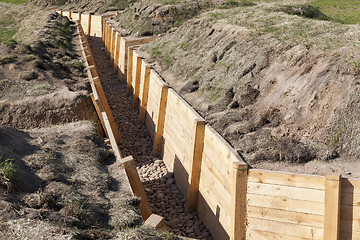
{"points": [[42, 80], [279, 87]]}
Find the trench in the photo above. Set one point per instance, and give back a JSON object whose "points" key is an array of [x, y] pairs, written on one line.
{"points": [[164, 197]]}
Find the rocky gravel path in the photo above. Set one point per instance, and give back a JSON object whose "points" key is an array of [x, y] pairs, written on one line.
{"points": [[165, 198]]}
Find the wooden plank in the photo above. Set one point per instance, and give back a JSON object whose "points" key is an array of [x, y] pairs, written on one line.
{"points": [[287, 179], [311, 195], [210, 218], [286, 216], [214, 192], [145, 92], [98, 111], [122, 59], [238, 202], [197, 149], [137, 186], [217, 174], [349, 235], [156, 221], [111, 136], [285, 228], [107, 109], [350, 226], [332, 207], [89, 26], [112, 47], [350, 186], [220, 152], [137, 82], [130, 70], [160, 123], [262, 235], [141, 41], [350, 213], [286, 204], [117, 50]]}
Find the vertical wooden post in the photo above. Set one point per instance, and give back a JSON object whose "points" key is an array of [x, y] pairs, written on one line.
{"points": [[80, 17], [192, 198], [137, 82], [89, 27], [137, 186], [161, 119], [61, 12], [103, 26], [117, 52], [130, 70], [332, 206], [109, 40], [70, 15], [112, 49], [238, 217], [145, 93]]}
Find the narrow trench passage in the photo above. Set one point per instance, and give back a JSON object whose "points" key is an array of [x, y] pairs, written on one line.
{"points": [[164, 197]]}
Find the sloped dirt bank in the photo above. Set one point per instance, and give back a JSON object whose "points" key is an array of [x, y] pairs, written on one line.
{"points": [[42, 81], [276, 86]]}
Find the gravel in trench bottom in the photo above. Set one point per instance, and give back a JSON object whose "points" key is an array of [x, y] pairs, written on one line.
{"points": [[164, 197]]}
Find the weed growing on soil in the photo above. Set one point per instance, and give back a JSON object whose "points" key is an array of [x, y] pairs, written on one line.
{"points": [[7, 59], [356, 67], [7, 30], [8, 169]]}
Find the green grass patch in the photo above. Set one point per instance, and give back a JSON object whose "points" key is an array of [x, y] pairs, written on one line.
{"points": [[7, 30], [17, 2], [343, 11]]}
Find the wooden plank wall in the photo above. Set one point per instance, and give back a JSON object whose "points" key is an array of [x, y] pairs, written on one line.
{"points": [[274, 205], [96, 26], [85, 22], [179, 139], [285, 205], [350, 209], [156, 85], [215, 190]]}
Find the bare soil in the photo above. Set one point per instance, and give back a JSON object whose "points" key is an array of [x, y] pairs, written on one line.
{"points": [[282, 89], [62, 185]]}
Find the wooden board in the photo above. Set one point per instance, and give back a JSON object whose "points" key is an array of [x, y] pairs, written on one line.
{"points": [[286, 216], [85, 22], [263, 235], [305, 194], [294, 205], [284, 228], [286, 179], [96, 26]]}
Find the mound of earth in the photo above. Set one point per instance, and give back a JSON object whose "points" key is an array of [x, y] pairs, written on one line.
{"points": [[279, 87], [42, 81]]}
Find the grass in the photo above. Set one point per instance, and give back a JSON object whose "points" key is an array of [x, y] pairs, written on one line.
{"points": [[343, 11], [7, 30], [8, 169], [17, 2]]}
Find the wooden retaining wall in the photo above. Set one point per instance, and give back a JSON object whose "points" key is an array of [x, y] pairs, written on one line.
{"points": [[232, 201]]}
